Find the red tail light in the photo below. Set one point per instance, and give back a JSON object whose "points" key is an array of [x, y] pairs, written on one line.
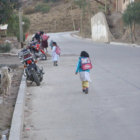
{"points": [[38, 45], [29, 61]]}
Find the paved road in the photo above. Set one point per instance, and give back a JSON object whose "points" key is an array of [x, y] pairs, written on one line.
{"points": [[58, 110]]}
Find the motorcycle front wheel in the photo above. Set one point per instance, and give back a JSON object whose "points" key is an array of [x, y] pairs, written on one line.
{"points": [[36, 78]]}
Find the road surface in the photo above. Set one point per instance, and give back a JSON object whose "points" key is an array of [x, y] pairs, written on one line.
{"points": [[58, 110]]}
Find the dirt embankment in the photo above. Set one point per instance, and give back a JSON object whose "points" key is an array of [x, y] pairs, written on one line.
{"points": [[64, 16], [60, 18], [120, 32], [7, 102]]}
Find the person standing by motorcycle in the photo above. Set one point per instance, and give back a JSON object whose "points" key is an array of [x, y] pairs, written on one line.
{"points": [[37, 36], [55, 55], [44, 42]]}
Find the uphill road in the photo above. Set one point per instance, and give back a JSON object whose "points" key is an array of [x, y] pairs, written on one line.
{"points": [[59, 110]]}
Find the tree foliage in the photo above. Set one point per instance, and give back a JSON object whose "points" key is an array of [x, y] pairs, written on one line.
{"points": [[6, 9], [13, 28], [131, 17], [9, 16], [132, 14]]}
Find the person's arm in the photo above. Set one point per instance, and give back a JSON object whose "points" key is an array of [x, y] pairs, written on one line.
{"points": [[78, 66]]}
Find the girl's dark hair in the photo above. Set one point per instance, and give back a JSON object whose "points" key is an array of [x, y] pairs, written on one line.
{"points": [[54, 43], [41, 32], [84, 54]]}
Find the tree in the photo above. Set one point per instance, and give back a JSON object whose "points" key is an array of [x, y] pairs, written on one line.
{"points": [[82, 5], [13, 28], [6, 10], [131, 17], [9, 16], [73, 22]]}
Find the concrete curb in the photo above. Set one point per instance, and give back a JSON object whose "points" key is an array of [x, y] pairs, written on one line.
{"points": [[124, 44], [111, 43], [8, 54], [79, 37], [18, 115]]}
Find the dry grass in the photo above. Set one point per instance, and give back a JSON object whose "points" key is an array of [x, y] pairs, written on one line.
{"points": [[59, 18]]}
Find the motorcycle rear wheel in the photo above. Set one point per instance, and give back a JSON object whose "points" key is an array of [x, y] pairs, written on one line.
{"points": [[43, 57]]}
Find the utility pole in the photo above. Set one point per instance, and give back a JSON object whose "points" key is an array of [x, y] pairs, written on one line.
{"points": [[20, 27], [72, 17], [89, 14]]}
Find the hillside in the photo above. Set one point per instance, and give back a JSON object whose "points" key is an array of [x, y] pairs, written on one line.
{"points": [[58, 19], [61, 16], [65, 16]]}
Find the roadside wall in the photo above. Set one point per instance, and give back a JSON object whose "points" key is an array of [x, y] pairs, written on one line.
{"points": [[18, 115], [99, 28]]}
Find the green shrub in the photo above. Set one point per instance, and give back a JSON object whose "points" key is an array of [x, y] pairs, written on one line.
{"points": [[132, 14], [5, 48], [131, 17], [44, 8]]}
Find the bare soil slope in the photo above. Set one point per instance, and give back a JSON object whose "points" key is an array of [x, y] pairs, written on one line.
{"points": [[63, 16]]}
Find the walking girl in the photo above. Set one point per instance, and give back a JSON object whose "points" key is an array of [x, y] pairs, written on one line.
{"points": [[83, 67], [55, 54]]}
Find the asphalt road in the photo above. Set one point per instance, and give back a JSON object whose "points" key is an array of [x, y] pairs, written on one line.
{"points": [[58, 110]]}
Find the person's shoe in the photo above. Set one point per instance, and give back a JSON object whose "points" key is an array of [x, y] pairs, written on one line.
{"points": [[86, 91], [55, 63]]}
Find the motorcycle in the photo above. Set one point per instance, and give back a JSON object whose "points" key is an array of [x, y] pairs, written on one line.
{"points": [[37, 51], [31, 70]]}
